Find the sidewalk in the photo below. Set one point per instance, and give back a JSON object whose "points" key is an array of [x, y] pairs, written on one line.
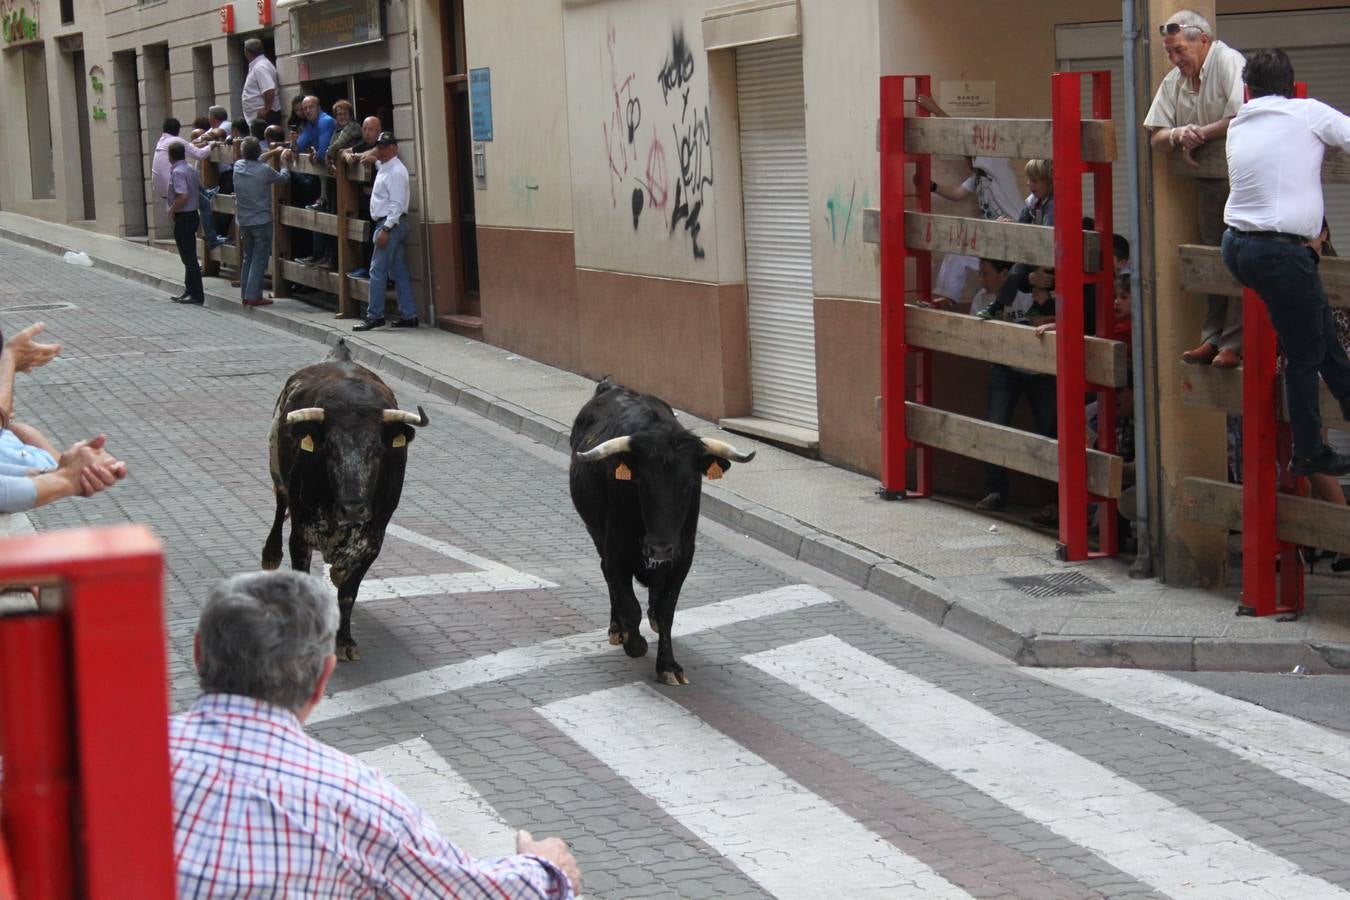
{"points": [[991, 581]]}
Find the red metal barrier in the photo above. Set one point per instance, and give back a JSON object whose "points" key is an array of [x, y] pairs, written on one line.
{"points": [[84, 710], [895, 352], [1272, 570]]}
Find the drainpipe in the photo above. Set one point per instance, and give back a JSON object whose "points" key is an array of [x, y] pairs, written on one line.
{"points": [[1143, 564], [415, 30]]}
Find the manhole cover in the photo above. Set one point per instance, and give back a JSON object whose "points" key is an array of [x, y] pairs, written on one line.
{"points": [[36, 307], [1058, 584]]}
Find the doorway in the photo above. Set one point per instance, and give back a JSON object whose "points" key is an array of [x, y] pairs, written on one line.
{"points": [[459, 140], [130, 143], [82, 113]]}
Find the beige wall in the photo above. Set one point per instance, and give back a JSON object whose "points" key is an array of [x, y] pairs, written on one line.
{"points": [[529, 175]]}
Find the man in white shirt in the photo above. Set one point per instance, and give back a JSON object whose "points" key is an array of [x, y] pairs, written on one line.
{"points": [[1275, 150], [260, 98], [1194, 104], [389, 213]]}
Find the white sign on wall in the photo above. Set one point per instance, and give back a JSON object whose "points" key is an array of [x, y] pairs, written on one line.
{"points": [[967, 99]]}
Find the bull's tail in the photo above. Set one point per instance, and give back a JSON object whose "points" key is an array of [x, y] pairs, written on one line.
{"points": [[341, 352]]}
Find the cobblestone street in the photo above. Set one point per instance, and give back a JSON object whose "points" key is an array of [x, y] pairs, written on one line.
{"points": [[829, 744]]}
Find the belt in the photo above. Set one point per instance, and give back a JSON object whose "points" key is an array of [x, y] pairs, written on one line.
{"points": [[1279, 237]]}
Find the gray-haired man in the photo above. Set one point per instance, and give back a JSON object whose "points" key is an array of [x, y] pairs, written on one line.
{"points": [[298, 817]]}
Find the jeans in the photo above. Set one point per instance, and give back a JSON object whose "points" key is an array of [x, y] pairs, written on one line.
{"points": [[1223, 315], [1006, 388], [208, 218], [256, 244], [1285, 275], [388, 263], [185, 236]]}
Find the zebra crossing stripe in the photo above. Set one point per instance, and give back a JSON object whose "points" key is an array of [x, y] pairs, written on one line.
{"points": [[459, 811], [1300, 751], [519, 660], [1138, 832], [787, 839]]}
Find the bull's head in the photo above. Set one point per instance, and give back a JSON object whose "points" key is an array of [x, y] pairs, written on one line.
{"points": [[665, 468], [353, 446]]}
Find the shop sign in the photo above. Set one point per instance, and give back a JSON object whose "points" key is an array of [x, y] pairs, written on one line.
{"points": [[336, 25], [227, 18], [264, 12], [17, 23], [480, 103]]}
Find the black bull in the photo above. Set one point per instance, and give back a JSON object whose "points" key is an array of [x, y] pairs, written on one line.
{"points": [[635, 481], [338, 447]]}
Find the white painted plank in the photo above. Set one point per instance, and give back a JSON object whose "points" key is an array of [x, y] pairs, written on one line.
{"points": [[449, 583], [518, 660], [1139, 832], [1300, 751], [787, 839], [459, 811]]}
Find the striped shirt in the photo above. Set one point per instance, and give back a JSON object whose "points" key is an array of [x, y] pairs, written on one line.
{"points": [[261, 809]]}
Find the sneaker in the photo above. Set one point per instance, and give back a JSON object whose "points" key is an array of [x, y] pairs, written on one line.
{"points": [[1326, 462], [406, 323], [261, 301], [992, 500], [316, 205], [368, 324], [987, 313], [359, 273], [1048, 517]]}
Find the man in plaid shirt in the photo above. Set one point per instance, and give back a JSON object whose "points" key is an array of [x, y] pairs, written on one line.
{"points": [[262, 809]]}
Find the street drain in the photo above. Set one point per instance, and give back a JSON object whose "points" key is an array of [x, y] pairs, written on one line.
{"points": [[36, 307], [1058, 584]]}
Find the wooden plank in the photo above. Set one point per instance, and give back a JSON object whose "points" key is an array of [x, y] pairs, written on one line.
{"points": [[1034, 244], [224, 203], [322, 222], [1209, 388], [1021, 451], [1212, 159], [1203, 272], [1299, 520], [313, 276], [1012, 138], [225, 253], [1009, 344]]}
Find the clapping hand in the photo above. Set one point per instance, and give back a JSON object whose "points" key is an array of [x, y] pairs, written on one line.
{"points": [[26, 352]]}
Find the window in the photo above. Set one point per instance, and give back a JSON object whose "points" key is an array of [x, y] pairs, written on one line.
{"points": [[67, 12]]}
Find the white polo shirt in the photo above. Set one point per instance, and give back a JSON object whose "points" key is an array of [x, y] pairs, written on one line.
{"points": [[262, 77], [389, 194], [1220, 94], [1275, 150]]}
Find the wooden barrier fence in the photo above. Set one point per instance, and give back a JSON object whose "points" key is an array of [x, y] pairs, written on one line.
{"points": [[351, 233]]}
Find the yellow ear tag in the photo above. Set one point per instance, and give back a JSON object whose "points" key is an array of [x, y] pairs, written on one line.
{"points": [[399, 441], [307, 444], [714, 471], [623, 473]]}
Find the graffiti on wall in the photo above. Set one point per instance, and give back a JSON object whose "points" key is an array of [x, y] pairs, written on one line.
{"points": [[842, 209], [653, 174]]}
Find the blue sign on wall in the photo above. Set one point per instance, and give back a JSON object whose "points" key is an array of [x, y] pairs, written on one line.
{"points": [[480, 103]]}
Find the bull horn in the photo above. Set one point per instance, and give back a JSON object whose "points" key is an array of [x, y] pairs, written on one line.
{"points": [[401, 415], [308, 414], [608, 448], [715, 447]]}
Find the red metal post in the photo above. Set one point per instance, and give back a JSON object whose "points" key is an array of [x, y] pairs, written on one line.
{"points": [[894, 443], [923, 285], [1265, 469], [1107, 519], [39, 758], [1066, 112], [113, 584]]}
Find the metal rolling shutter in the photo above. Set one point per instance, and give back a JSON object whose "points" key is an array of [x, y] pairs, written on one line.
{"points": [[1327, 73], [772, 109]]}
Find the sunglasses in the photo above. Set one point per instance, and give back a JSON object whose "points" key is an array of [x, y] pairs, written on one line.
{"points": [[1176, 28]]}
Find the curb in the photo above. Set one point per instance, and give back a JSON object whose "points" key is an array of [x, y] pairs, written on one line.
{"points": [[887, 578]]}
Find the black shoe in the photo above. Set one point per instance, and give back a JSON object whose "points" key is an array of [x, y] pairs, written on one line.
{"points": [[406, 323], [1326, 462], [177, 297], [193, 301], [368, 324]]}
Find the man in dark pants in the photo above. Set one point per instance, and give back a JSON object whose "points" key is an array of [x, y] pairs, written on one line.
{"points": [[183, 188], [1275, 150]]}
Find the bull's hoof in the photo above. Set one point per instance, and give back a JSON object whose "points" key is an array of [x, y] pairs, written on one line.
{"points": [[271, 562], [651, 623], [349, 652], [635, 646], [674, 679], [616, 638]]}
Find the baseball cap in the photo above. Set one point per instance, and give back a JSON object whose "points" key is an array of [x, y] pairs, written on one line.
{"points": [[385, 138]]}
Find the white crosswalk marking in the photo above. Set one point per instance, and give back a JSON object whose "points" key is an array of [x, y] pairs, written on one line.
{"points": [[1138, 832], [519, 660], [1300, 751], [459, 811], [488, 570], [784, 837]]}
